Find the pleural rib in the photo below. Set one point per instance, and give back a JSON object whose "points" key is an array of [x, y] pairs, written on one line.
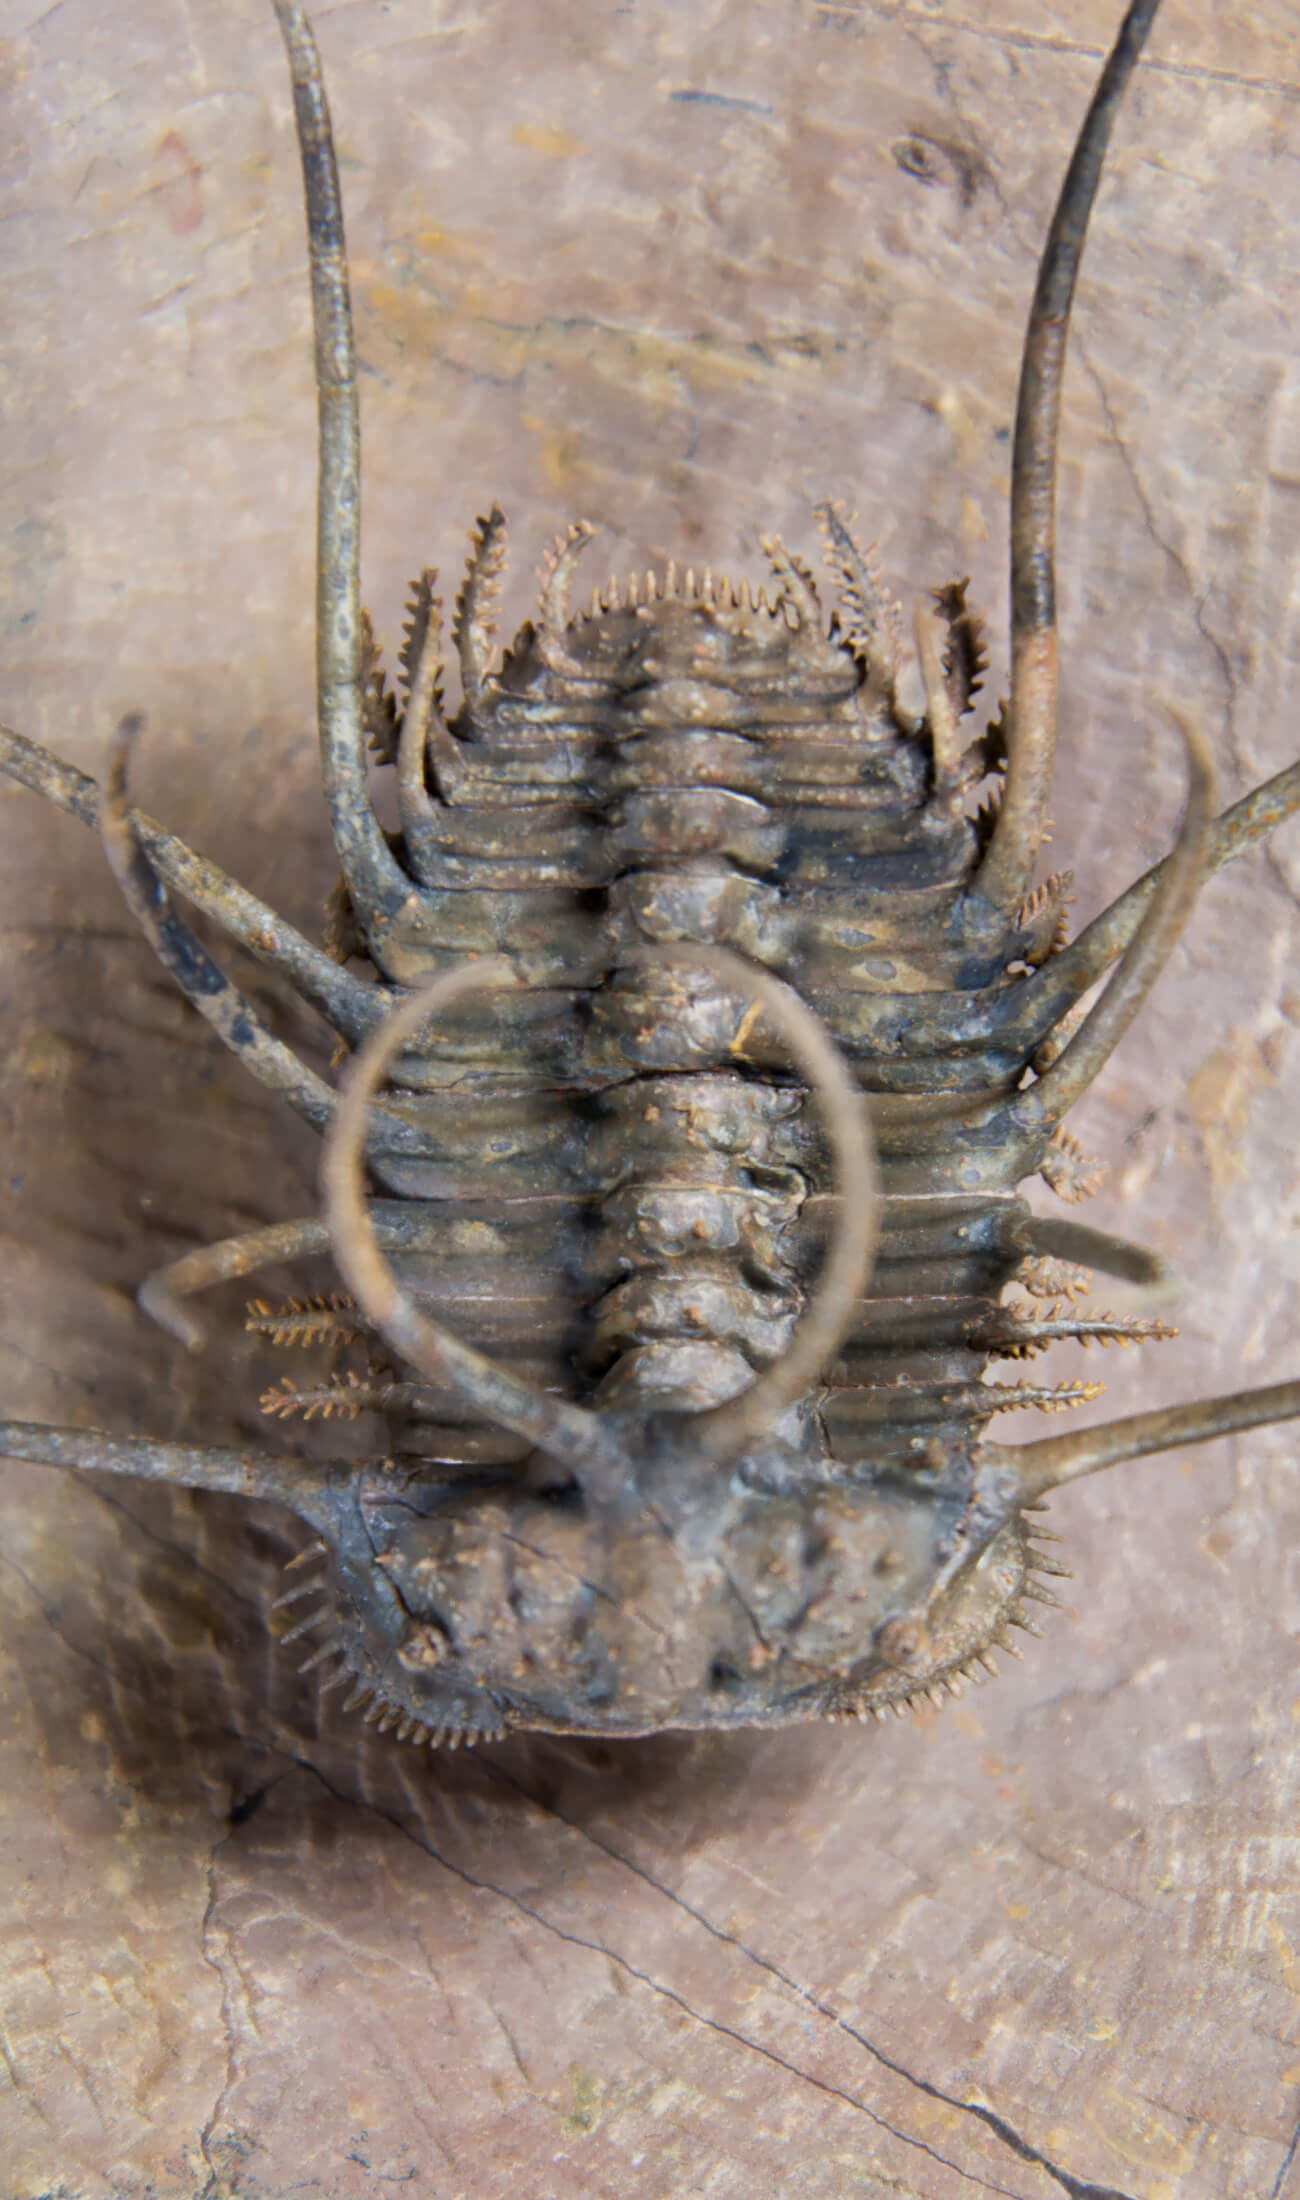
{"points": [[566, 1433]]}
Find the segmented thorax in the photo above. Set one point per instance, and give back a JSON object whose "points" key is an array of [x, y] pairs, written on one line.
{"points": [[637, 1191]]}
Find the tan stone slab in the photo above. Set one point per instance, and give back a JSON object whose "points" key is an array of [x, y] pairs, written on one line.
{"points": [[672, 267]]}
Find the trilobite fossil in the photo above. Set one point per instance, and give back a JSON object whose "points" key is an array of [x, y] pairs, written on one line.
{"points": [[719, 1020]]}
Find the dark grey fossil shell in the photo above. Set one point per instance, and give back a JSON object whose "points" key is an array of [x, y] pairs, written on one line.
{"points": [[615, 1182]]}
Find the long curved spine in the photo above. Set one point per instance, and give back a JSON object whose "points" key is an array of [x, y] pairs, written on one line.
{"points": [[1067, 976], [399, 1226], [310, 1488], [1008, 868], [201, 980], [348, 1004], [1182, 876], [1031, 1470], [375, 880]]}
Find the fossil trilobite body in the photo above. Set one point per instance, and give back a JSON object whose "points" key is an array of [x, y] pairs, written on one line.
{"points": [[682, 1367]]}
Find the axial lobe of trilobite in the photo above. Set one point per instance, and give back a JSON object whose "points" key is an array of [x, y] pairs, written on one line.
{"points": [[691, 1232]]}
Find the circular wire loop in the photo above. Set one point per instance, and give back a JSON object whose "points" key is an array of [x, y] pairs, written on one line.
{"points": [[586, 1442]]}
